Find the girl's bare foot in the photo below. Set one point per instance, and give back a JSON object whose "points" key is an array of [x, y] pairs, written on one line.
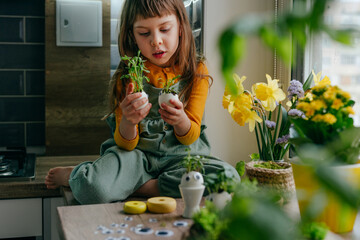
{"points": [[58, 177]]}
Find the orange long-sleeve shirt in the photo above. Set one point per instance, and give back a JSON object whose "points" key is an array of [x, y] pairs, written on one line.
{"points": [[194, 109]]}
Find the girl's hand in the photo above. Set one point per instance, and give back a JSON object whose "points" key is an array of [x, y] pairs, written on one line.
{"points": [[130, 116], [176, 116]]}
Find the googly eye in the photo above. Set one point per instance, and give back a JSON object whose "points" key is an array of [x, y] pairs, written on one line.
{"points": [[144, 231], [153, 220], [127, 218], [123, 225], [197, 176], [187, 178], [180, 224], [164, 233]]}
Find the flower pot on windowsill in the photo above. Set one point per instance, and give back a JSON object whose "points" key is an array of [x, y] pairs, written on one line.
{"points": [[338, 216], [280, 180]]}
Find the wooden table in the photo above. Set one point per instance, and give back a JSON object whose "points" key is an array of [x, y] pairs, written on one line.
{"points": [[103, 221], [83, 221]]}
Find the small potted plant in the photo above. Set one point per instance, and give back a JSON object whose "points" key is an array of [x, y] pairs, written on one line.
{"points": [[168, 92], [220, 185], [136, 69], [192, 184]]}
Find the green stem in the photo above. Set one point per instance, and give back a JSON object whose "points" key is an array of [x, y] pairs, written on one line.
{"points": [[257, 141], [276, 134], [268, 140]]}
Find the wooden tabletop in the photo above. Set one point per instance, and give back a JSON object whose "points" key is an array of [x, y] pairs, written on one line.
{"points": [[103, 221]]}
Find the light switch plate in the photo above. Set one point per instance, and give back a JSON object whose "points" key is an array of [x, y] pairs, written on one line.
{"points": [[79, 23]]}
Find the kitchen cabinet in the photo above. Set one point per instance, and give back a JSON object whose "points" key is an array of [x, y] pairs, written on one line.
{"points": [[21, 217], [28, 208], [30, 217]]}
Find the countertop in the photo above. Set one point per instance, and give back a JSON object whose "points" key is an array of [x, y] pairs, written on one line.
{"points": [[36, 187]]}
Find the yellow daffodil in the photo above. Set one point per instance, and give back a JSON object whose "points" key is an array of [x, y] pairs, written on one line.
{"points": [[238, 83], [252, 119], [240, 108], [269, 93], [240, 115], [226, 101], [319, 81]]}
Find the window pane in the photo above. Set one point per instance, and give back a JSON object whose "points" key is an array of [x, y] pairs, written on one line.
{"points": [[339, 62]]}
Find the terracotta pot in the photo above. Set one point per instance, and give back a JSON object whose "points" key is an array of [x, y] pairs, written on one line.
{"points": [[338, 216]]}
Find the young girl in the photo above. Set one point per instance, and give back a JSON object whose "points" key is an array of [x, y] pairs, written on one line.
{"points": [[144, 156]]}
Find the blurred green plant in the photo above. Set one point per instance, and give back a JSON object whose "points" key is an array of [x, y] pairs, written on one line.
{"points": [[278, 33], [220, 181], [251, 215]]}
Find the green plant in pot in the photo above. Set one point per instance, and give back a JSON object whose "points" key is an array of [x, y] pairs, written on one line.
{"points": [[261, 108], [327, 144], [220, 185], [168, 92], [136, 70], [192, 184]]}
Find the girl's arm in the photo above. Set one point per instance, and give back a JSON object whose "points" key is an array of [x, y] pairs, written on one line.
{"points": [[127, 118], [187, 124]]}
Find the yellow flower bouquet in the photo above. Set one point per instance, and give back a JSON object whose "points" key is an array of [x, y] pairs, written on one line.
{"points": [[256, 108], [326, 113]]}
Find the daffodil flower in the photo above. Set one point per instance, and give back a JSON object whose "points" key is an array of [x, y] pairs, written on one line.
{"points": [[238, 83], [319, 81], [269, 93], [252, 119]]}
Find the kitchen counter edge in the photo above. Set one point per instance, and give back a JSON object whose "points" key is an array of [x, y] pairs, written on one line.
{"points": [[36, 188]]}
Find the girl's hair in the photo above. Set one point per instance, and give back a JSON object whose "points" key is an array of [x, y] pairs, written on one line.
{"points": [[185, 56]]}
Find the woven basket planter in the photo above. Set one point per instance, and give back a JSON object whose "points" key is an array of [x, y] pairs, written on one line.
{"points": [[280, 180]]}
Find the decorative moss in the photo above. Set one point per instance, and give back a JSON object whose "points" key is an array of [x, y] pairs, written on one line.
{"points": [[269, 165]]}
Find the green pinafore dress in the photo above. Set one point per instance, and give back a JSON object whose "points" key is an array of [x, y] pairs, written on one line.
{"points": [[118, 173]]}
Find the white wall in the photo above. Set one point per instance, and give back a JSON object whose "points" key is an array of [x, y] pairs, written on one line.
{"points": [[230, 141]]}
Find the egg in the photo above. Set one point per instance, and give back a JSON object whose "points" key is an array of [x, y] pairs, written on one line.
{"points": [[166, 97], [143, 95]]}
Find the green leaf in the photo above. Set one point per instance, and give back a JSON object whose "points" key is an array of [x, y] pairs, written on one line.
{"points": [[232, 48], [309, 81], [341, 36], [240, 168]]}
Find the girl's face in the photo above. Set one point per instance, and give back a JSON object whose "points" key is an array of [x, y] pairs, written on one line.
{"points": [[157, 38]]}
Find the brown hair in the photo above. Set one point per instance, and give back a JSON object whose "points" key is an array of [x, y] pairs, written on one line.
{"points": [[185, 56]]}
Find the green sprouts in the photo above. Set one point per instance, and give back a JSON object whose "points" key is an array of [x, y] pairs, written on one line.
{"points": [[136, 69], [193, 163], [168, 85]]}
